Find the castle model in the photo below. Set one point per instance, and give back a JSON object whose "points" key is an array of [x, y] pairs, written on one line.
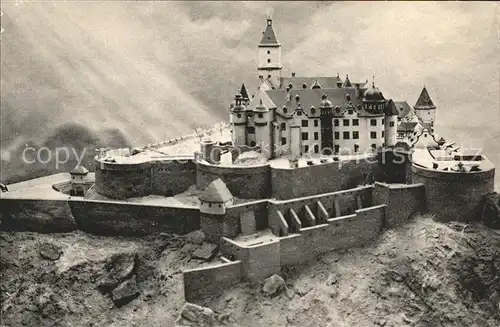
{"points": [[308, 165], [313, 115]]}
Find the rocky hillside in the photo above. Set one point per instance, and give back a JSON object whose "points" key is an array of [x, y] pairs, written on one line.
{"points": [[424, 274]]}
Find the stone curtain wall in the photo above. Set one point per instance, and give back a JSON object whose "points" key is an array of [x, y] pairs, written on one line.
{"points": [[210, 281], [403, 200], [243, 182], [168, 178], [131, 219], [453, 195], [322, 178], [338, 233], [42, 216]]}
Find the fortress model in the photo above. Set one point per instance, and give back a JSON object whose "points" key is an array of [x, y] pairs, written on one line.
{"points": [[308, 165]]}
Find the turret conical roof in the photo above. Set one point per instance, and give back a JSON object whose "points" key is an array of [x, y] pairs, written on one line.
{"points": [[424, 101], [268, 37]]}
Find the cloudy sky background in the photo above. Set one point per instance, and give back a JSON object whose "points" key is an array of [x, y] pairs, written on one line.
{"points": [[158, 69]]}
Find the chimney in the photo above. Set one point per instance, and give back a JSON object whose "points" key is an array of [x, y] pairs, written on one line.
{"points": [[261, 78], [293, 74]]}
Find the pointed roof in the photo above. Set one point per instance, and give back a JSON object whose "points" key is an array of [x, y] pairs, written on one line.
{"points": [[390, 108], [424, 101], [79, 170], [316, 85], [216, 191], [268, 37], [339, 80], [347, 82], [244, 92]]}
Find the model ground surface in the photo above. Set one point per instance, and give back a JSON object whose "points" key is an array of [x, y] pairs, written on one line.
{"points": [[423, 274]]}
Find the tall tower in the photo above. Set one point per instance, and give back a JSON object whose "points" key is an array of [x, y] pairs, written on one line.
{"points": [[263, 124], [391, 122], [425, 108], [269, 54], [238, 121]]}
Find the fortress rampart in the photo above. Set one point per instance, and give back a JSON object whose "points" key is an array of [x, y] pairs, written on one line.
{"points": [[159, 177], [454, 195]]}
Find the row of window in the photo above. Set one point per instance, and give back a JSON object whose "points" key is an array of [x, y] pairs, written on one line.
{"points": [[355, 135], [336, 148]]}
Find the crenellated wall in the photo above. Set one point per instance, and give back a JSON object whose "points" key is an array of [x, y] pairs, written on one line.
{"points": [[454, 195], [322, 178], [246, 182]]}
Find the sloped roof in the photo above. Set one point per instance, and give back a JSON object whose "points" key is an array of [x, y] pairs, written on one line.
{"points": [[80, 170], [316, 85], [424, 101], [407, 126], [268, 37], [216, 191], [390, 108], [266, 100], [347, 82], [325, 82], [244, 92], [403, 108]]}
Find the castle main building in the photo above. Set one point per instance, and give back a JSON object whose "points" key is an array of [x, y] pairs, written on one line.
{"points": [[320, 115]]}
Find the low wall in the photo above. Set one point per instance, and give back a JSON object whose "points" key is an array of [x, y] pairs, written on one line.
{"points": [[338, 233], [244, 182], [403, 200], [42, 216], [322, 178], [210, 281], [346, 200], [118, 218], [454, 195], [258, 261], [167, 178]]}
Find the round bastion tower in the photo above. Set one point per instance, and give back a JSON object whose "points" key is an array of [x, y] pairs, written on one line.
{"points": [[263, 120], [374, 105], [238, 121]]}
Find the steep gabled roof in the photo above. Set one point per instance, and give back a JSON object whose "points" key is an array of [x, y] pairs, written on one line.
{"points": [[244, 92], [268, 37], [347, 82], [216, 191], [403, 108], [424, 101], [80, 170], [316, 85], [390, 108]]}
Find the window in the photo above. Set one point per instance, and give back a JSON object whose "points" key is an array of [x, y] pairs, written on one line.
{"points": [[374, 146], [391, 124], [346, 122], [336, 122], [373, 135], [285, 110], [382, 133], [305, 136], [268, 76], [337, 148], [283, 140], [316, 148], [337, 135], [373, 122], [350, 111], [306, 148], [210, 205], [250, 114], [238, 115], [383, 121], [346, 135], [268, 52], [356, 148], [220, 206], [299, 113], [268, 61], [250, 129], [316, 136], [315, 123], [355, 135], [313, 111], [260, 115], [305, 123], [355, 122], [283, 126]]}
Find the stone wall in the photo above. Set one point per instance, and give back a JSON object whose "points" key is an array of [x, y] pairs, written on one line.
{"points": [[454, 195], [132, 219], [42, 216], [210, 281], [243, 182], [403, 200], [338, 233], [120, 181], [322, 178]]}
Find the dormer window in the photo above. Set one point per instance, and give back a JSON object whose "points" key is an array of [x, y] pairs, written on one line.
{"points": [[313, 111], [299, 113], [285, 110]]}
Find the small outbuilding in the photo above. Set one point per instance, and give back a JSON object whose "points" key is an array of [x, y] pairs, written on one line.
{"points": [[215, 198]]}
